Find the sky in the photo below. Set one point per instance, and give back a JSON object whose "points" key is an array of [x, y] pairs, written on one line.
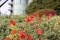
{"points": [[4, 9]]}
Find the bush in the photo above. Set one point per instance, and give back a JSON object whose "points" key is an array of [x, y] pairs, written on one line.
{"points": [[45, 12], [43, 4], [33, 27]]}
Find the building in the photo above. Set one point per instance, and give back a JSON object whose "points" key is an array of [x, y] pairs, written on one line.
{"points": [[19, 6], [16, 7]]}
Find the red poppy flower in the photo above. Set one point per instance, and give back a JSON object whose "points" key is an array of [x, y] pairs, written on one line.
{"points": [[29, 37], [39, 31], [12, 22], [7, 38], [22, 34], [13, 31]]}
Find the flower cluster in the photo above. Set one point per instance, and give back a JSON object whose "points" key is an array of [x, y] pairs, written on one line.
{"points": [[23, 34], [30, 17]]}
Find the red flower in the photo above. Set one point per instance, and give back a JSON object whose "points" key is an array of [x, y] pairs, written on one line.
{"points": [[29, 37], [12, 22], [31, 23], [52, 12], [36, 15], [13, 31], [22, 34], [7, 38], [49, 14], [26, 20], [49, 17], [39, 31], [14, 38], [40, 19], [37, 39], [29, 18]]}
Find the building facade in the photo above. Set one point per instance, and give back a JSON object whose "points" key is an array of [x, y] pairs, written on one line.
{"points": [[19, 6], [16, 7]]}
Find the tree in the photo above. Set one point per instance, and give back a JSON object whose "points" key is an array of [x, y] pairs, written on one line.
{"points": [[43, 4]]}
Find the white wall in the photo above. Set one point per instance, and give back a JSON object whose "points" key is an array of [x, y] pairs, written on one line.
{"points": [[4, 9], [19, 6]]}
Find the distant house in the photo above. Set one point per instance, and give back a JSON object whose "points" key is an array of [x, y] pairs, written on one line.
{"points": [[16, 7]]}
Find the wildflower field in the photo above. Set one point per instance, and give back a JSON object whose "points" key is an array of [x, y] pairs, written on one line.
{"points": [[30, 27]]}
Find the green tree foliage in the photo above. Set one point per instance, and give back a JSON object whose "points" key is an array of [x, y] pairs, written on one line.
{"points": [[43, 4]]}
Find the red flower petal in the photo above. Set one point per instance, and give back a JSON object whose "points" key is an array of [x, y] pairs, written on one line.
{"points": [[29, 37], [25, 20], [14, 38], [29, 18], [22, 34], [37, 39], [13, 31], [7, 38], [40, 20], [49, 14], [12, 22], [39, 31], [49, 17], [31, 23], [36, 15]]}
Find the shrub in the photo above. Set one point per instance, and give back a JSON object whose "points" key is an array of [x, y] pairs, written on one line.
{"points": [[42, 28], [36, 5], [45, 12]]}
